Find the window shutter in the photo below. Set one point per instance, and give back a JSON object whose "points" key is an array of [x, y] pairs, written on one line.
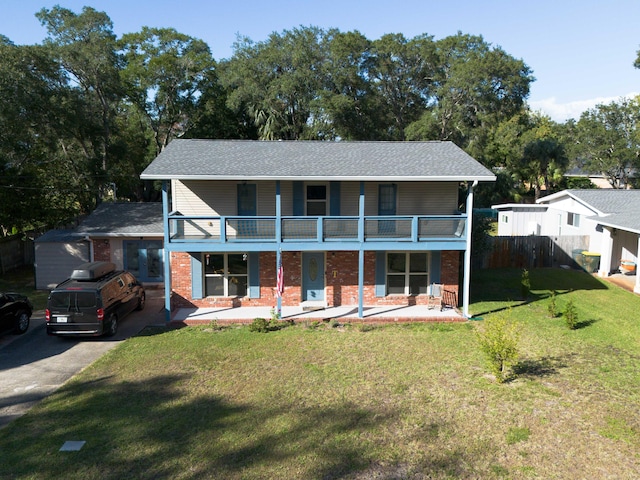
{"points": [[196, 276], [381, 268], [254, 275], [435, 266], [298, 199]]}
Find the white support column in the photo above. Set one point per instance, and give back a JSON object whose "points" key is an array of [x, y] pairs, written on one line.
{"points": [[167, 251], [636, 289], [466, 286], [606, 252]]}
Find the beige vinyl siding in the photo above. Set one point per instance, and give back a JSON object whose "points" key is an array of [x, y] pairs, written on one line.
{"points": [[349, 199], [417, 198], [218, 198]]}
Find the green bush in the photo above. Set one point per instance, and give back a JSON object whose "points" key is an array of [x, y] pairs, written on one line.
{"points": [[498, 339], [570, 315], [552, 306], [525, 284], [260, 325]]}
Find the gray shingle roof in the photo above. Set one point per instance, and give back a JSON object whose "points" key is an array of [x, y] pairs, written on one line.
{"points": [[314, 160], [124, 219], [609, 200], [614, 208]]}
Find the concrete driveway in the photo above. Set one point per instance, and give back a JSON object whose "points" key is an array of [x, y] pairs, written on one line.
{"points": [[34, 365]]}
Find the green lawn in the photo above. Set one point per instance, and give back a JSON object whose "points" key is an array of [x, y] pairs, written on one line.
{"points": [[327, 402]]}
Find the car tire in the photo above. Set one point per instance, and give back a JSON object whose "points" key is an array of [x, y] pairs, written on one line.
{"points": [[113, 326], [22, 323], [141, 302]]}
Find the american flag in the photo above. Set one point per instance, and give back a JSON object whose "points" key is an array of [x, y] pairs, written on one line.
{"points": [[280, 278]]}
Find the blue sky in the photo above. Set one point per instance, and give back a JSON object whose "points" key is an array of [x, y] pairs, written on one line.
{"points": [[581, 52]]}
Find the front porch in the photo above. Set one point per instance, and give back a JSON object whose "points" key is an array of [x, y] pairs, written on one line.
{"points": [[297, 314]]}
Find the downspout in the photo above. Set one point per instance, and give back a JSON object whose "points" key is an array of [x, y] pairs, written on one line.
{"points": [[467, 253]]}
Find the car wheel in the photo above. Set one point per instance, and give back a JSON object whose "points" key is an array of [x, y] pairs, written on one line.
{"points": [[22, 325], [141, 301], [113, 326]]}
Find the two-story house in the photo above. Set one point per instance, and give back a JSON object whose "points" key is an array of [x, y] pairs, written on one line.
{"points": [[323, 224]]}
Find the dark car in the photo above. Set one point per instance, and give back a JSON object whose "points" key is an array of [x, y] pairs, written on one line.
{"points": [[15, 312], [93, 300]]}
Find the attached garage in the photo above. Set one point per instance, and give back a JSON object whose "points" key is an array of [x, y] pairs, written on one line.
{"points": [[57, 253]]}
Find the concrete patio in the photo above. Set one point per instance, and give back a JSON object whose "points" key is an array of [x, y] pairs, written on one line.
{"points": [[344, 314]]}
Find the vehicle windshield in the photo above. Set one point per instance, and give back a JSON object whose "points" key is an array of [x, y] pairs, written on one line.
{"points": [[73, 300]]}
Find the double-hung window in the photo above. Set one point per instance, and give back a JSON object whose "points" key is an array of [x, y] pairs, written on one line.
{"points": [[225, 274], [407, 273], [316, 200]]}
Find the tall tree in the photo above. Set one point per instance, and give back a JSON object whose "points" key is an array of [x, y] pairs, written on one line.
{"points": [[402, 72], [348, 98], [477, 86], [164, 74], [36, 188], [278, 82], [529, 148], [86, 47], [608, 141]]}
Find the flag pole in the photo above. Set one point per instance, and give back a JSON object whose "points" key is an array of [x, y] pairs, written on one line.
{"points": [[279, 281]]}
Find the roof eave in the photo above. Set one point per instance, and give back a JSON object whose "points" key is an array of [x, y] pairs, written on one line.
{"points": [[435, 178]]}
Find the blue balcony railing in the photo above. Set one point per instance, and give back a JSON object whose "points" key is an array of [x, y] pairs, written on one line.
{"points": [[183, 228]]}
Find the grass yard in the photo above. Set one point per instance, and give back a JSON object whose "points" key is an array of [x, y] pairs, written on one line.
{"points": [[328, 402]]}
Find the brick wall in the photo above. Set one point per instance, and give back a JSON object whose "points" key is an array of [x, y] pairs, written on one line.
{"points": [[101, 251], [341, 280]]}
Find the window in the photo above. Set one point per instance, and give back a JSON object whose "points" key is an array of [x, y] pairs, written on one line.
{"points": [[316, 200], [573, 219], [225, 274], [407, 273]]}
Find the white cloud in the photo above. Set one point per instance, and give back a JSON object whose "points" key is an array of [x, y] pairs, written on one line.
{"points": [[561, 112]]}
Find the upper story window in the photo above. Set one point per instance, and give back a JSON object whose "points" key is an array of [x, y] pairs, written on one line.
{"points": [[573, 219], [316, 200], [225, 274]]}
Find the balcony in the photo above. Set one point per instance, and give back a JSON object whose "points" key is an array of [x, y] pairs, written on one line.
{"points": [[311, 232]]}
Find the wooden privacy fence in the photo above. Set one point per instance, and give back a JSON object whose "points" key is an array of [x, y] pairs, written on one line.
{"points": [[531, 252], [15, 251]]}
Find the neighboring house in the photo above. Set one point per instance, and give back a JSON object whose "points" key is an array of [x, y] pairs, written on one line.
{"points": [[611, 219], [128, 234], [598, 179], [350, 223]]}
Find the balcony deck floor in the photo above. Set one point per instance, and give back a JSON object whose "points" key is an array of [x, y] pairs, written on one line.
{"points": [[344, 314]]}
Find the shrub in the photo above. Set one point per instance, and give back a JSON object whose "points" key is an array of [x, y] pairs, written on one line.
{"points": [[260, 325], [552, 306], [525, 284], [498, 339], [570, 315]]}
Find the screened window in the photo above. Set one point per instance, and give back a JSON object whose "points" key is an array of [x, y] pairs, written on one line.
{"points": [[407, 273], [316, 200], [225, 274]]}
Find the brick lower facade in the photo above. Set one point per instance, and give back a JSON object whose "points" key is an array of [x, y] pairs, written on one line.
{"points": [[341, 282], [101, 251]]}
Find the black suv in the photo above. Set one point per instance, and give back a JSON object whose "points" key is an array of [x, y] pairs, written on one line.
{"points": [[92, 300]]}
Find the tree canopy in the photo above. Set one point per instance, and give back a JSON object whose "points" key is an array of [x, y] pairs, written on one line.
{"points": [[83, 113]]}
